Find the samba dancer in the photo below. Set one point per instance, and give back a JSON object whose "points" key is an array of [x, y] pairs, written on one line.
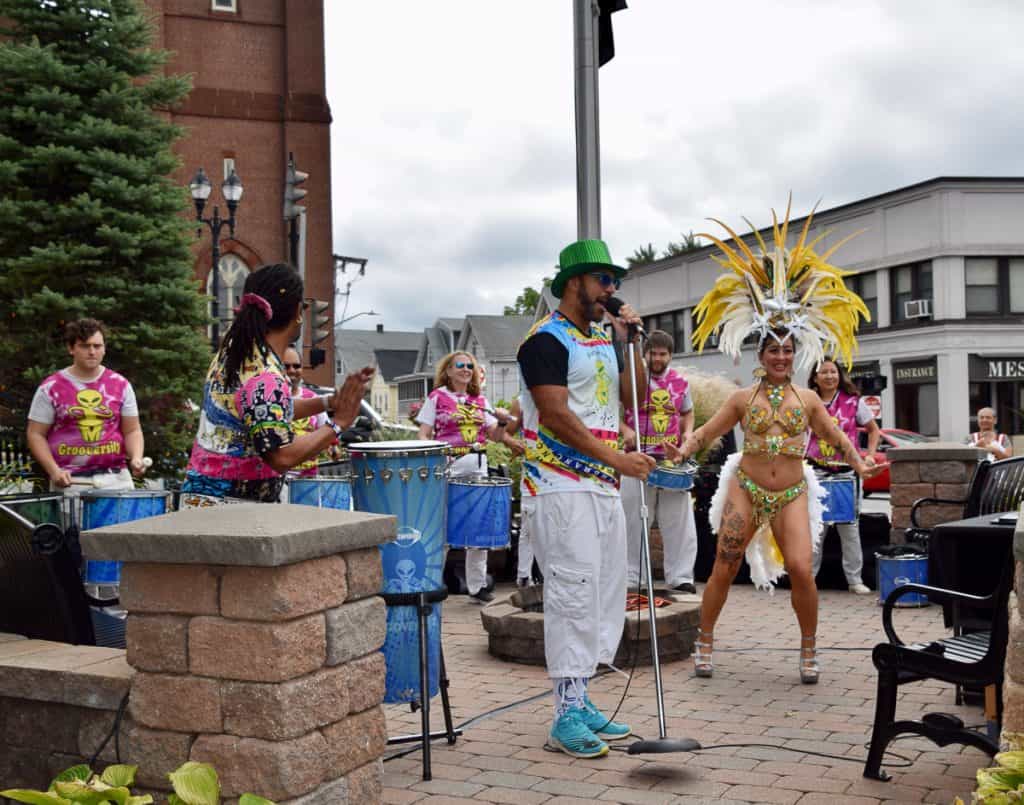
{"points": [[457, 413], [83, 423], [666, 416], [570, 497], [848, 410], [246, 439], [768, 502]]}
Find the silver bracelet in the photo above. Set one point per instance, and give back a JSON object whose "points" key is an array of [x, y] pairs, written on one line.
{"points": [[326, 400]]}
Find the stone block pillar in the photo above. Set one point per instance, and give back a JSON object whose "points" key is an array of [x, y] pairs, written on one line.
{"points": [[1013, 681], [934, 469], [255, 633]]}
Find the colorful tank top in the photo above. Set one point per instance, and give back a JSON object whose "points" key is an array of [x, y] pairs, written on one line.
{"points": [[659, 413], [843, 410], [86, 436], [593, 383], [459, 419], [237, 425]]}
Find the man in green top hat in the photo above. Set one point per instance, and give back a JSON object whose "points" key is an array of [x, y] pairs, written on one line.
{"points": [[572, 382]]}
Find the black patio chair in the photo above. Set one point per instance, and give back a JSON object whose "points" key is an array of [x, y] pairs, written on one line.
{"points": [[41, 592], [974, 659]]}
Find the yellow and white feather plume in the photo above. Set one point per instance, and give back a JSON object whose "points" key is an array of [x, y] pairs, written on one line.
{"points": [[794, 291]]}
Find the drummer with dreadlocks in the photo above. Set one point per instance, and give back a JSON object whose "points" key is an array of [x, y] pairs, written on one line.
{"points": [[768, 502]]}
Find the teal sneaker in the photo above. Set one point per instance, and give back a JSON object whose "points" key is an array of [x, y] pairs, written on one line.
{"points": [[570, 735], [598, 723]]}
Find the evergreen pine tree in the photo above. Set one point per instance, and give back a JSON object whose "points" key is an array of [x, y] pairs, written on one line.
{"points": [[90, 220]]}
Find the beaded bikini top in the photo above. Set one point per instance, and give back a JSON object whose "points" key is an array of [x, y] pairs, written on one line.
{"points": [[757, 420]]}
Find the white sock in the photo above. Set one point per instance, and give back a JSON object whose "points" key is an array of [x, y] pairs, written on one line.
{"points": [[569, 693]]}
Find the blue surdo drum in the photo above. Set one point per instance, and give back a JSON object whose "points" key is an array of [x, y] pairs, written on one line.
{"points": [[479, 512], [895, 571], [842, 498], [102, 507], [325, 493], [667, 475], [407, 480]]}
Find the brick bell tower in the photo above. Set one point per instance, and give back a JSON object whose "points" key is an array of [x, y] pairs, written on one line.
{"points": [[258, 94]]}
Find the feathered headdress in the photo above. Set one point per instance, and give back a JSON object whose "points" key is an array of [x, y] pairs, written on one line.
{"points": [[793, 291]]}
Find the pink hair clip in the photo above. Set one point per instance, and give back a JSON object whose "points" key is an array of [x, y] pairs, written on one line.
{"points": [[255, 300]]}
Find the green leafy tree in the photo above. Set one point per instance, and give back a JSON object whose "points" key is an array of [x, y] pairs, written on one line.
{"points": [[689, 243], [643, 255], [526, 302], [90, 220]]}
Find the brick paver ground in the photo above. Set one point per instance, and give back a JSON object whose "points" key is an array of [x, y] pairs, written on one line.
{"points": [[754, 698]]}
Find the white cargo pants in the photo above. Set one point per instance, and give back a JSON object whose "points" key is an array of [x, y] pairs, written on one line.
{"points": [[580, 542]]}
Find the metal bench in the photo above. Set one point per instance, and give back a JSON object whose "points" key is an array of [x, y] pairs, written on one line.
{"points": [[969, 659], [996, 486]]}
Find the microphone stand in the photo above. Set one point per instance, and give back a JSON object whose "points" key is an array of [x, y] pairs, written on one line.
{"points": [[662, 744]]}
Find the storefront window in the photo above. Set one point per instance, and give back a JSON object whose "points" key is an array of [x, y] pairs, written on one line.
{"points": [[916, 396]]}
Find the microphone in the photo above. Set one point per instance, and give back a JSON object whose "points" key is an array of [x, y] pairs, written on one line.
{"points": [[613, 305]]}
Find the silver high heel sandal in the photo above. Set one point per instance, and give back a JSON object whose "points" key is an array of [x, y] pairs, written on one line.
{"points": [[809, 668], [702, 664]]}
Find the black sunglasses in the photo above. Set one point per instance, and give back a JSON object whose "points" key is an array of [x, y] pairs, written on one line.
{"points": [[606, 280], [293, 366]]}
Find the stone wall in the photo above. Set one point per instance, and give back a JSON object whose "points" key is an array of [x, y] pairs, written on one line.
{"points": [[1013, 682], [935, 469], [253, 641]]}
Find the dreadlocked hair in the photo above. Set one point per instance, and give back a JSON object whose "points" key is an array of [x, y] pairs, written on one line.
{"points": [[281, 286]]}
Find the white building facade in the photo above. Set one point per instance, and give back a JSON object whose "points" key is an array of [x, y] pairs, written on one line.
{"points": [[940, 265]]}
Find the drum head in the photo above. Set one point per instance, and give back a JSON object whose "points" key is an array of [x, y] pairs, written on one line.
{"points": [[124, 493], [412, 446]]}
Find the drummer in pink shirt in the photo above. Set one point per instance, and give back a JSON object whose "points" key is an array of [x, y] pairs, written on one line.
{"points": [[666, 417], [83, 424], [458, 413]]}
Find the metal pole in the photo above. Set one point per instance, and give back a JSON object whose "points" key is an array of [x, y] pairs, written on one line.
{"points": [[215, 224], [645, 557], [588, 138]]}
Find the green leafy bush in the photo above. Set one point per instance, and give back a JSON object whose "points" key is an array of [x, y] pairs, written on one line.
{"points": [[193, 783]]}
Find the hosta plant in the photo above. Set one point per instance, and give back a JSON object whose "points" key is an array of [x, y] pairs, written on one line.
{"points": [[193, 783], [1001, 784]]}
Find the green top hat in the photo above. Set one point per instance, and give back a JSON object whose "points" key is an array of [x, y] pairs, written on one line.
{"points": [[582, 257]]}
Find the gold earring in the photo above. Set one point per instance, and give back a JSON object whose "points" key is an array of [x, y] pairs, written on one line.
{"points": [[299, 320]]}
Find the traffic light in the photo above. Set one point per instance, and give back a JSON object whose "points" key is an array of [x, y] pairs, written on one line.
{"points": [[292, 192], [319, 331]]}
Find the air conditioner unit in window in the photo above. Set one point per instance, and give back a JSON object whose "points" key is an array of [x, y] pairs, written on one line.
{"points": [[917, 308]]}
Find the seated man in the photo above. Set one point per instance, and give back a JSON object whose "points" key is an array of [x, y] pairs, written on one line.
{"points": [[987, 438]]}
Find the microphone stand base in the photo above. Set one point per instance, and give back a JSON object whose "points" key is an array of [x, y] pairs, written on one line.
{"points": [[662, 746]]}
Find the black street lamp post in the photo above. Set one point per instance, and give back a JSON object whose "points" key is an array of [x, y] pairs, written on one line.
{"points": [[232, 190]]}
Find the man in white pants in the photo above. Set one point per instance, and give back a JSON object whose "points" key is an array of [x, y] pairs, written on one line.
{"points": [[570, 498], [666, 416]]}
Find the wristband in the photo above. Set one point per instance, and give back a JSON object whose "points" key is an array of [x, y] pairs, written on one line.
{"points": [[338, 430]]}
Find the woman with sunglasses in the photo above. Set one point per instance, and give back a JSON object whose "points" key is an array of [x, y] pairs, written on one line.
{"points": [[457, 413], [247, 438]]}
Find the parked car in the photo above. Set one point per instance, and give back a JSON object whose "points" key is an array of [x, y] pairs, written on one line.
{"points": [[891, 437]]}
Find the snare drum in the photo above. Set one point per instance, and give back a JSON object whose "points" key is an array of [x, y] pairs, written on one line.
{"points": [[102, 507], [842, 498], [479, 512], [897, 571], [672, 477], [407, 480], [325, 493]]}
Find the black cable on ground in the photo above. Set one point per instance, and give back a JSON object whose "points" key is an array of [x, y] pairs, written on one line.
{"points": [[115, 733]]}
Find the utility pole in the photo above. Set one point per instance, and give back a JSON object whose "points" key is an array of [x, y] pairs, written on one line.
{"points": [[588, 137]]}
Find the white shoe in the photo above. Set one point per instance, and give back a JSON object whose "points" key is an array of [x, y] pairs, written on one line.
{"points": [[860, 589]]}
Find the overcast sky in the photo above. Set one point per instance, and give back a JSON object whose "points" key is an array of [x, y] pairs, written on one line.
{"points": [[453, 154]]}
